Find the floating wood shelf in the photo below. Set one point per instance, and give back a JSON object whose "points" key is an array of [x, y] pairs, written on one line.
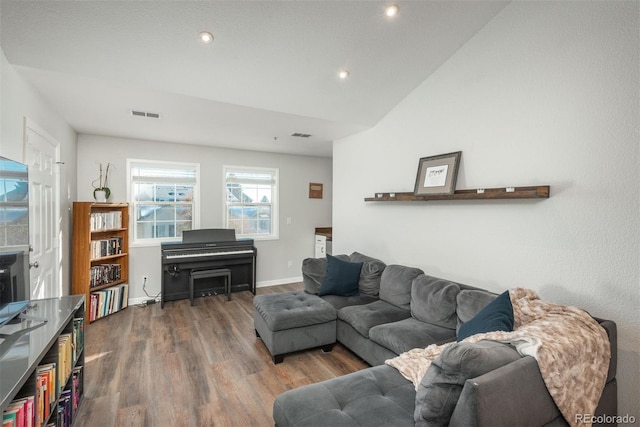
{"points": [[536, 192]]}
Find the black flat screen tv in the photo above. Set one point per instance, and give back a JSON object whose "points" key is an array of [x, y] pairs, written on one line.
{"points": [[14, 232]]}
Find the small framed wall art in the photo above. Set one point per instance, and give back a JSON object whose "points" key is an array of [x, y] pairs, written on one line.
{"points": [[437, 174], [315, 190]]}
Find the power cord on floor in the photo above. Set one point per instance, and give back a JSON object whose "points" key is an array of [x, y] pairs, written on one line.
{"points": [[150, 299]]}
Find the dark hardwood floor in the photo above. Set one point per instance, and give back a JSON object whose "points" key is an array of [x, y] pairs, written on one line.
{"points": [[193, 366]]}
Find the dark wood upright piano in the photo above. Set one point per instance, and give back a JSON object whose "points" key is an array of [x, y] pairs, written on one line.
{"points": [[206, 250]]}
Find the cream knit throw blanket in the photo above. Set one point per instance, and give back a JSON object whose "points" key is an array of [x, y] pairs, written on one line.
{"points": [[571, 348]]}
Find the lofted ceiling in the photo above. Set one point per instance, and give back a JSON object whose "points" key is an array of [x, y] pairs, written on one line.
{"points": [[271, 71]]}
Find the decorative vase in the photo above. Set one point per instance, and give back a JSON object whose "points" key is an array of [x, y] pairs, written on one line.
{"points": [[101, 194]]}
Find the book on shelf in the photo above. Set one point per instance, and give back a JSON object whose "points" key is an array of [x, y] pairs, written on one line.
{"points": [[105, 273], [46, 391], [108, 301], [64, 409], [76, 387], [22, 409], [65, 358], [14, 416], [78, 338], [103, 221], [104, 297], [106, 247]]}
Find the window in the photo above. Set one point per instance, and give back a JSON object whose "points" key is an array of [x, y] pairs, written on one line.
{"points": [[251, 206], [164, 199]]}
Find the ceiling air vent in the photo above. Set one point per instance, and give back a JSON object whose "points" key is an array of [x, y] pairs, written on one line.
{"points": [[301, 135], [145, 114]]}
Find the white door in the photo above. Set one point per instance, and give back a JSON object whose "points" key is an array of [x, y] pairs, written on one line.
{"points": [[41, 154]]}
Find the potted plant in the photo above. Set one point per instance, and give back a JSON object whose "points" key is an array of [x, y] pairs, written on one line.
{"points": [[101, 191]]}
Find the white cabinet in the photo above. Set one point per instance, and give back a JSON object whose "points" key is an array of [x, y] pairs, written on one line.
{"points": [[323, 241], [321, 246]]}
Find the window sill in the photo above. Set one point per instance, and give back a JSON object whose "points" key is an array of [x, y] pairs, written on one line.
{"points": [[151, 244], [258, 238]]}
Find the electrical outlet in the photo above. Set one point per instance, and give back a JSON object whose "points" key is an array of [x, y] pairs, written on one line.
{"points": [[289, 264]]}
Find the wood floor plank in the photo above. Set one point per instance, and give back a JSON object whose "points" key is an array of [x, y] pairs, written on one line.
{"points": [[198, 365], [131, 416]]}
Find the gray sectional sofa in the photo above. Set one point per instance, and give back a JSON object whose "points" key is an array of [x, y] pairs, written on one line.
{"points": [[399, 308]]}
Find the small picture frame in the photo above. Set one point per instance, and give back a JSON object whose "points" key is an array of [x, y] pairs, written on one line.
{"points": [[315, 190], [437, 174]]}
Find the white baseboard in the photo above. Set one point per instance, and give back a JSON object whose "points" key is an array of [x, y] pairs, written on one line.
{"points": [[140, 300], [279, 282]]}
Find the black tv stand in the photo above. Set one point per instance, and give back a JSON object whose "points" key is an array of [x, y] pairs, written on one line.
{"points": [[38, 340]]}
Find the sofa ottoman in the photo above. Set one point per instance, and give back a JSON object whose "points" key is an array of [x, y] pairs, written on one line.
{"points": [[378, 396], [294, 321]]}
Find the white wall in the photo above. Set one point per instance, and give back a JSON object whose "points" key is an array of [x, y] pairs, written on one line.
{"points": [[296, 240], [546, 93], [18, 101]]}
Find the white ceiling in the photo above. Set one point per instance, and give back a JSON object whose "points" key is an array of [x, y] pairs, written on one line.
{"points": [[271, 70]]}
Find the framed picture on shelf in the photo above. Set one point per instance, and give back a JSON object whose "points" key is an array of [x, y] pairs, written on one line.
{"points": [[437, 174]]}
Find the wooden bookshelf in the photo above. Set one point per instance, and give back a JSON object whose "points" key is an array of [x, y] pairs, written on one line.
{"points": [[534, 192], [100, 256]]}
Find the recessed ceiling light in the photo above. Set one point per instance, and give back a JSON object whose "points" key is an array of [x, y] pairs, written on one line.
{"points": [[206, 37], [343, 74], [391, 10]]}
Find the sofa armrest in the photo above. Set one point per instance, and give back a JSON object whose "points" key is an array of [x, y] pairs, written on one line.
{"points": [[514, 394]]}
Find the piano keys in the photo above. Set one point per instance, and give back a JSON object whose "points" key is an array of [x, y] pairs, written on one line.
{"points": [[207, 249]]}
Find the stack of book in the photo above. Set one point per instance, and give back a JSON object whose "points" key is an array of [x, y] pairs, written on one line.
{"points": [[65, 358], [106, 220], [107, 301], [103, 274], [78, 337], [46, 392], [76, 387], [19, 413], [106, 247]]}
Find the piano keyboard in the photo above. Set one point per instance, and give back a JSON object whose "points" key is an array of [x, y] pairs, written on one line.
{"points": [[206, 254]]}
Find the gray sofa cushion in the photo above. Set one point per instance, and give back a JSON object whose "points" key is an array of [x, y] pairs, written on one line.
{"points": [[364, 317], [409, 333], [439, 390], [395, 285], [314, 271], [370, 274], [377, 396], [470, 302], [433, 301], [338, 302]]}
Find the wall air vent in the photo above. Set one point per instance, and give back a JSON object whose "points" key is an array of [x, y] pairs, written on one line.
{"points": [[145, 114], [301, 135]]}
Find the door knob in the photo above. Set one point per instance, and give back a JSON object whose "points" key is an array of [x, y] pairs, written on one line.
{"points": [[34, 264]]}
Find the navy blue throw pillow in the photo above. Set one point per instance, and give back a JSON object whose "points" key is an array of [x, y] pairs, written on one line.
{"points": [[342, 278], [495, 316]]}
